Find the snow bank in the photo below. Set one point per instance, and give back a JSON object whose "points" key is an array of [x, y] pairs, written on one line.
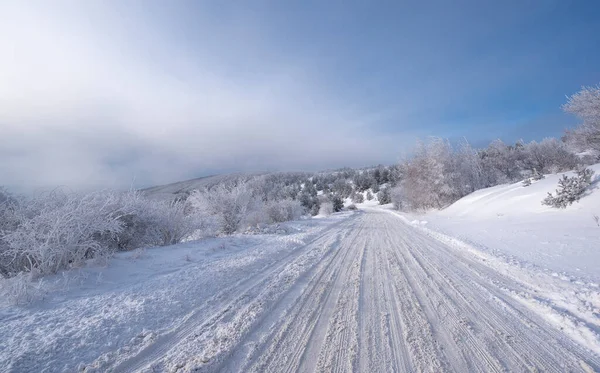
{"points": [[567, 303], [511, 221]]}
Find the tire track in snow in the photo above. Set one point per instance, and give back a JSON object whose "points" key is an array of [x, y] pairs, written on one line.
{"points": [[219, 306], [340, 346], [492, 330], [371, 294], [290, 343]]}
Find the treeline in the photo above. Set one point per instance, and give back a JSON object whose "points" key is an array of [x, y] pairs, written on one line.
{"points": [[440, 173], [60, 229]]}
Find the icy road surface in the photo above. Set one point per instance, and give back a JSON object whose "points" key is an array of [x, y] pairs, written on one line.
{"points": [[368, 293]]}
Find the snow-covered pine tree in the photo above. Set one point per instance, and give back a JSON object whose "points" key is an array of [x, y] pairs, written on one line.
{"points": [[570, 189], [537, 175], [338, 203]]}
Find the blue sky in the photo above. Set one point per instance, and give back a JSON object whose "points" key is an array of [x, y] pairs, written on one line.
{"points": [[102, 93]]}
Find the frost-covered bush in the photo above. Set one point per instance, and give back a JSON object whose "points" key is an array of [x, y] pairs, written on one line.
{"points": [[156, 223], [60, 229], [285, 210], [22, 288], [7, 224], [397, 197], [357, 198], [170, 222], [230, 204], [570, 189], [326, 208], [241, 204], [527, 182], [369, 195], [384, 196], [352, 207]]}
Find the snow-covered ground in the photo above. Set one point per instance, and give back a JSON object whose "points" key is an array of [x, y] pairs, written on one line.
{"points": [[100, 315], [511, 221], [364, 291]]}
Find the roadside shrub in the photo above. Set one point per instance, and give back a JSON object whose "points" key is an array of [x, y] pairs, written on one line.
{"points": [[229, 204], [285, 210], [352, 207], [23, 288], [357, 198], [59, 229], [570, 189], [384, 196], [397, 196], [338, 203], [326, 208]]}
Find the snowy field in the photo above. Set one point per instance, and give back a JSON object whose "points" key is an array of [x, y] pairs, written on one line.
{"points": [[364, 291], [511, 221]]}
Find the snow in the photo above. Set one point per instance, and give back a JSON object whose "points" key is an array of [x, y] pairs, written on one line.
{"points": [[511, 221], [371, 290], [97, 315]]}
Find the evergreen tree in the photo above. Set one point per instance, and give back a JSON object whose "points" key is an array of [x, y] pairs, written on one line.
{"points": [[338, 203]]}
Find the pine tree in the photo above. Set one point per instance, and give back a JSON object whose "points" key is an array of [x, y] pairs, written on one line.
{"points": [[338, 204], [537, 175], [570, 189]]}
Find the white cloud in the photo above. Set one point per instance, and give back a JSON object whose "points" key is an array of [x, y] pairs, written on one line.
{"points": [[92, 96]]}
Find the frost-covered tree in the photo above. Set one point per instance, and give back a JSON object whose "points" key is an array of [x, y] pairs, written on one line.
{"points": [[501, 163], [342, 188], [430, 178], [549, 156], [469, 169], [585, 104]]}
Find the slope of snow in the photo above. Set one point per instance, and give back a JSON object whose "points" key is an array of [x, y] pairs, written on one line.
{"points": [[511, 221]]}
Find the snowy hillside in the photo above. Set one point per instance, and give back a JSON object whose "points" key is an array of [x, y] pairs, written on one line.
{"points": [[166, 192], [510, 219]]}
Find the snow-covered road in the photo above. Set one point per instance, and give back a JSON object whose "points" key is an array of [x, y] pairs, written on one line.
{"points": [[370, 293]]}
